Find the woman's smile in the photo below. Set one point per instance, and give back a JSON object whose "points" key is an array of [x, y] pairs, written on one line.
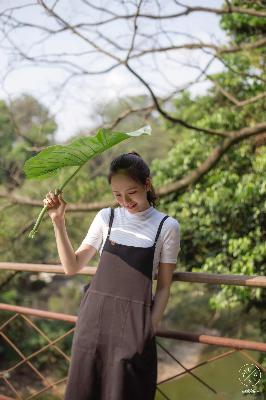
{"points": [[130, 207]]}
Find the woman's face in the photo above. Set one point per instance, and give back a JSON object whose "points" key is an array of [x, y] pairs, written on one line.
{"points": [[130, 193]]}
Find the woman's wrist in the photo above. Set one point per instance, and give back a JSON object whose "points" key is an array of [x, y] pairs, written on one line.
{"points": [[58, 221]]}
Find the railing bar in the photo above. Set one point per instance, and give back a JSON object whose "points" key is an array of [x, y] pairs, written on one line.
{"points": [[221, 279], [196, 277], [44, 380], [213, 340], [191, 337], [50, 342], [165, 396], [187, 370], [36, 352], [39, 313], [47, 388], [253, 360], [8, 321], [12, 388], [227, 353]]}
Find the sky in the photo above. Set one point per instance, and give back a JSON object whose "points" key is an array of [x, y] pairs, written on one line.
{"points": [[74, 106]]}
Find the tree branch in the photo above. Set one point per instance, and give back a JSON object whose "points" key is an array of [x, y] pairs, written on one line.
{"points": [[169, 117], [135, 27], [235, 101], [199, 46], [187, 11], [65, 24], [174, 187], [212, 160]]}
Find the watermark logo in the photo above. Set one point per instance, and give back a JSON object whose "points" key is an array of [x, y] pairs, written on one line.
{"points": [[250, 375]]}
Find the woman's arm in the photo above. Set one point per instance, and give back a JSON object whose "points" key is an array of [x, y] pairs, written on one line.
{"points": [[71, 261], [64, 247], [164, 280]]}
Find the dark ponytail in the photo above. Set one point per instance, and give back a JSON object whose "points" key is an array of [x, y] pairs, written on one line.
{"points": [[136, 168]]}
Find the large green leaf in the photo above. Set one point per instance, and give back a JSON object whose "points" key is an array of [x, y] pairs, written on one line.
{"points": [[49, 161]]}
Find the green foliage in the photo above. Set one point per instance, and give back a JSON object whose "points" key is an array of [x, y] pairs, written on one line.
{"points": [[24, 125], [244, 28], [222, 217]]}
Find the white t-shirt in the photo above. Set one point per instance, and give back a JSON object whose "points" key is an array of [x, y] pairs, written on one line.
{"points": [[139, 230]]}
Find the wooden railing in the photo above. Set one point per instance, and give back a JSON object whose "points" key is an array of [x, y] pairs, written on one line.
{"points": [[57, 387]]}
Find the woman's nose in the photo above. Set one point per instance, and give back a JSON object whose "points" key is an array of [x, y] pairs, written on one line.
{"points": [[126, 199]]}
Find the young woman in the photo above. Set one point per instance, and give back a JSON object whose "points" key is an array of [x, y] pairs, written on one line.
{"points": [[114, 355]]}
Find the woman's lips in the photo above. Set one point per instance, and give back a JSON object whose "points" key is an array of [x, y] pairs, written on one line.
{"points": [[132, 206]]}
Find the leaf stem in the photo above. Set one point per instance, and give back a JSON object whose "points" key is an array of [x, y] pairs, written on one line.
{"points": [[57, 192]]}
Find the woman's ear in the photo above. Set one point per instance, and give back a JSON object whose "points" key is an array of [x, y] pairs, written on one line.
{"points": [[148, 184]]}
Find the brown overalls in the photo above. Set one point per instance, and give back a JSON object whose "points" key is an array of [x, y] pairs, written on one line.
{"points": [[114, 355]]}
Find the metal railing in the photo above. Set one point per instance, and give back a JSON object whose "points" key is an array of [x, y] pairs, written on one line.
{"points": [[57, 387]]}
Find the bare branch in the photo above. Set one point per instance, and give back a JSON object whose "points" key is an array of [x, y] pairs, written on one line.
{"points": [[135, 27], [235, 101], [199, 46], [26, 201], [212, 160], [150, 43], [187, 11], [66, 25], [169, 117], [174, 187], [128, 112], [220, 11]]}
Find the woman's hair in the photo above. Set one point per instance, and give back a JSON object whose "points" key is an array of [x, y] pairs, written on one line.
{"points": [[134, 166]]}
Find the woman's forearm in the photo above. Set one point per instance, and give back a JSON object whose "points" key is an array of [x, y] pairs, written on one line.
{"points": [[160, 302], [65, 250]]}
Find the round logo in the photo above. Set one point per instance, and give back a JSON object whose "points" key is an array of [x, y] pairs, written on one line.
{"points": [[249, 374]]}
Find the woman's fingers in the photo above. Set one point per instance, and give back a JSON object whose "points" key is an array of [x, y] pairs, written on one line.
{"points": [[49, 200], [48, 203], [51, 195], [53, 199]]}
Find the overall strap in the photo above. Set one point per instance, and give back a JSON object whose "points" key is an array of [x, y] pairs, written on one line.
{"points": [[111, 221], [159, 229]]}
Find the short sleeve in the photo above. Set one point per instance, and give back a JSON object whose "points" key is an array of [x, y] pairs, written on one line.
{"points": [[94, 235], [171, 243]]}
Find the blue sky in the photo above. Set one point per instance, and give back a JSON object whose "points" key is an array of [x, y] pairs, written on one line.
{"points": [[74, 108]]}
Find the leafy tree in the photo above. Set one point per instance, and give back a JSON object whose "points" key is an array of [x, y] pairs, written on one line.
{"points": [[25, 126], [223, 216]]}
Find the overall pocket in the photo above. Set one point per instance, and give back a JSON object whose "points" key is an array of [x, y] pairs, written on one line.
{"points": [[86, 287], [83, 295]]}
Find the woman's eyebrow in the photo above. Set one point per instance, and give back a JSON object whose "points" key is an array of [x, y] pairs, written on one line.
{"points": [[135, 187]]}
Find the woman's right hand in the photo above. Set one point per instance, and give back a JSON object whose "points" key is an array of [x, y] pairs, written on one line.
{"points": [[56, 205]]}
